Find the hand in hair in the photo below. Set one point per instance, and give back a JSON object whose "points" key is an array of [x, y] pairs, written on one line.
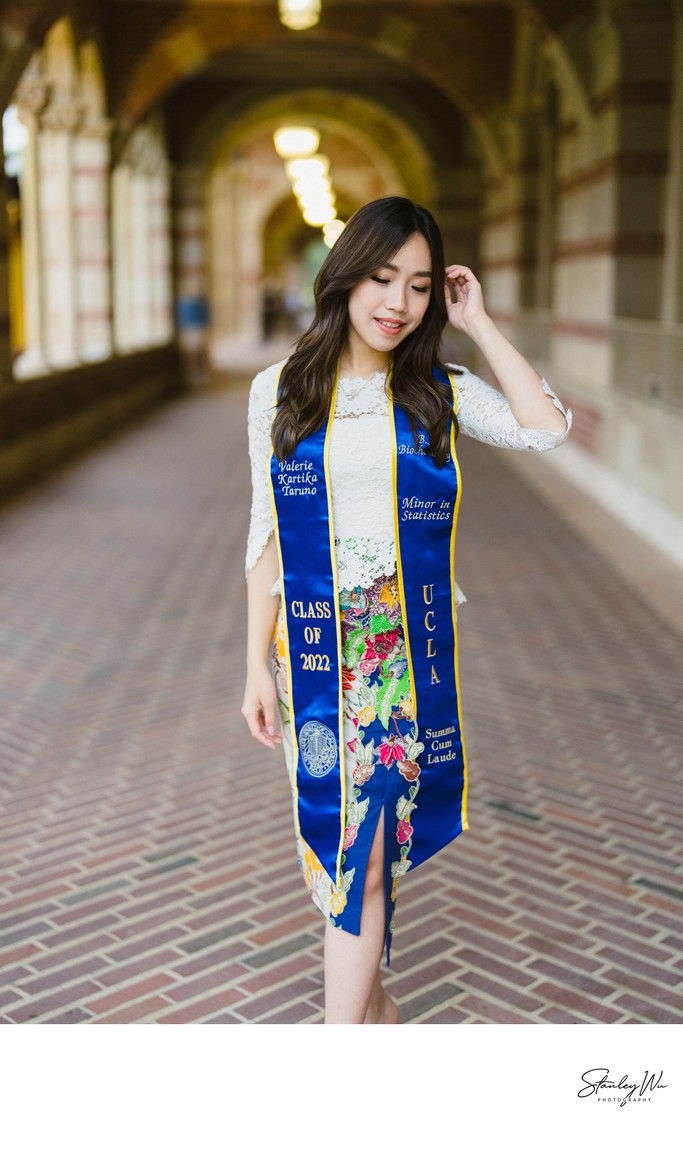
{"points": [[464, 298]]}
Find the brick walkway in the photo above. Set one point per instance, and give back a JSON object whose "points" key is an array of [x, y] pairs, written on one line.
{"points": [[147, 864]]}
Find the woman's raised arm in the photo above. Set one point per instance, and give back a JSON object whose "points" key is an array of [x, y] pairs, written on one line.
{"points": [[531, 406]]}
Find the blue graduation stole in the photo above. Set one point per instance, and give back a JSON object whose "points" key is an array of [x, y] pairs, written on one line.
{"points": [[426, 502]]}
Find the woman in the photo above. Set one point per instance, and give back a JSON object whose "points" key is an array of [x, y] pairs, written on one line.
{"points": [[350, 566]]}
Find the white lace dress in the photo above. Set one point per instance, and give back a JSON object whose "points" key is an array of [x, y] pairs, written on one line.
{"points": [[360, 463], [362, 504]]}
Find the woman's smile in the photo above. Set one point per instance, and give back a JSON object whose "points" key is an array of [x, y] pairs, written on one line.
{"points": [[390, 326]]}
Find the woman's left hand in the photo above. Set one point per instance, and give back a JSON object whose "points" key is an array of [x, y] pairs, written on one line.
{"points": [[468, 305]]}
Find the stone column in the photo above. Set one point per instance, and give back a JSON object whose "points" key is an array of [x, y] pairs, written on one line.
{"points": [[229, 320], [505, 260], [142, 246], [232, 252], [59, 121], [219, 262], [140, 259], [191, 286], [642, 108], [92, 241], [672, 294], [251, 252], [546, 221], [161, 330], [528, 174], [5, 345], [31, 98], [121, 258]]}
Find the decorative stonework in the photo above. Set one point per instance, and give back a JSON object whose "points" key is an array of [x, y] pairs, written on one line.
{"points": [[100, 128], [62, 116], [31, 96], [145, 154]]}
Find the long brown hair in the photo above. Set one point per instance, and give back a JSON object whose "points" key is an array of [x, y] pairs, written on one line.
{"points": [[371, 238]]}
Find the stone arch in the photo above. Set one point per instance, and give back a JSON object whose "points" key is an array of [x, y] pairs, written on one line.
{"points": [[402, 161], [192, 40], [247, 186], [572, 89], [92, 86], [169, 62], [59, 58]]}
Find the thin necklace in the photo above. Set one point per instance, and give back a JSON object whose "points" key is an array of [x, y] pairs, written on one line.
{"points": [[355, 384]]}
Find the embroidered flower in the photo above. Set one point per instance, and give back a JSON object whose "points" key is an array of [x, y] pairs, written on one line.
{"points": [[391, 750], [348, 679], [398, 668], [379, 647], [337, 902], [366, 716], [406, 708], [282, 683], [384, 598], [409, 770], [355, 600], [389, 595], [368, 666], [350, 835], [362, 773], [349, 624], [311, 861], [405, 808], [401, 867], [404, 831]]}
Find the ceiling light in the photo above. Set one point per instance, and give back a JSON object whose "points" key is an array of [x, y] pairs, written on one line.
{"points": [[291, 142], [319, 216], [299, 14], [332, 231], [304, 166], [317, 204], [314, 203], [312, 186]]}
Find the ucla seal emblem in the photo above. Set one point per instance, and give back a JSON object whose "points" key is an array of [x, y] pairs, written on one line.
{"points": [[318, 749]]}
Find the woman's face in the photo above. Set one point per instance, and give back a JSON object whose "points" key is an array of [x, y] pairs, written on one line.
{"points": [[385, 307]]}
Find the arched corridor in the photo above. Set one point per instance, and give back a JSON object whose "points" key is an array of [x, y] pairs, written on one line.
{"points": [[154, 258], [145, 835], [149, 210]]}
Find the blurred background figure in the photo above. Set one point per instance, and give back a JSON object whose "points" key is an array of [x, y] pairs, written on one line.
{"points": [[271, 308]]}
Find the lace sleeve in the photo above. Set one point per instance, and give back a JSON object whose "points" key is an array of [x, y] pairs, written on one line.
{"points": [[485, 414], [261, 412]]}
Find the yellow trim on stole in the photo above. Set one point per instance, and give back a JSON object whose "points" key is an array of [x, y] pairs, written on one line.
{"points": [[399, 573], [292, 720], [337, 616], [397, 541], [463, 808]]}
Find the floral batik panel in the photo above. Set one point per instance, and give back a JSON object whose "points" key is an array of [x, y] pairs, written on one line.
{"points": [[381, 751]]}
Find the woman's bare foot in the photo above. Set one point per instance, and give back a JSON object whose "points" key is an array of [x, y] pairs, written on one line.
{"points": [[391, 1015], [382, 1010]]}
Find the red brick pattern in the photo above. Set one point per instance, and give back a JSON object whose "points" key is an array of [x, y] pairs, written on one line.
{"points": [[147, 862]]}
